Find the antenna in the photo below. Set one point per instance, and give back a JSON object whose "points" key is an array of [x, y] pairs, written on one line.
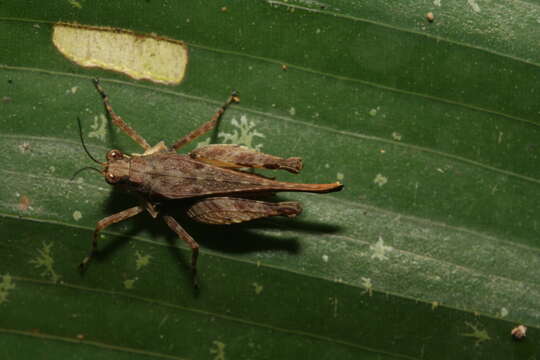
{"points": [[84, 146], [85, 168]]}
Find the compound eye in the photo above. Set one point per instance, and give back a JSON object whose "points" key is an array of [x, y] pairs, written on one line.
{"points": [[114, 155]]}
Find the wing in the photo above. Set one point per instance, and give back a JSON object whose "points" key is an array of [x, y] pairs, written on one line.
{"points": [[176, 176]]}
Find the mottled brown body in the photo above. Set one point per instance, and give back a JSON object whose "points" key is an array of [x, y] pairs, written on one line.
{"points": [[174, 176], [220, 193]]}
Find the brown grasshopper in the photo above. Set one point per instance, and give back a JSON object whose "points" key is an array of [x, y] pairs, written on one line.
{"points": [[210, 176]]}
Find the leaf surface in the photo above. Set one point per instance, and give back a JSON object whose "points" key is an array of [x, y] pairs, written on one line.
{"points": [[430, 251]]}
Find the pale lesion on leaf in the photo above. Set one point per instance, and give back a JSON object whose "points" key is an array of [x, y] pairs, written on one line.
{"points": [[380, 180], [130, 283], [205, 142], [258, 288], [244, 134], [45, 260], [367, 285], [141, 260], [380, 250], [476, 333], [99, 128], [218, 350], [6, 285]]}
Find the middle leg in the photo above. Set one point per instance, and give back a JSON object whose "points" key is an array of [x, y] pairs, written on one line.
{"points": [[182, 234], [103, 223]]}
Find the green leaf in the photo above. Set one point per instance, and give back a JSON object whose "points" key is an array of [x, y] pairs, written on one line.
{"points": [[430, 251]]}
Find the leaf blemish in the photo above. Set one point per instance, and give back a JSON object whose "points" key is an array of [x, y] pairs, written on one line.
{"points": [[479, 335], [45, 260], [334, 301], [129, 283], [380, 180], [77, 215], [5, 287], [73, 90], [141, 260], [258, 288], [474, 5], [380, 250], [75, 4], [24, 203], [218, 350], [244, 135], [99, 128], [150, 57], [25, 147], [367, 285]]}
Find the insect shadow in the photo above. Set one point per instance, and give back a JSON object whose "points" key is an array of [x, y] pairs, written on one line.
{"points": [[238, 239]]}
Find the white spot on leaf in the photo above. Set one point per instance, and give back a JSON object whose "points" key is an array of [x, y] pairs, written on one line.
{"points": [[380, 250], [130, 283], [244, 135], [380, 180], [5, 287], [474, 5], [25, 147], [99, 128], [45, 260], [258, 288], [477, 334], [218, 350], [368, 285], [77, 215], [203, 143], [141, 260], [75, 4]]}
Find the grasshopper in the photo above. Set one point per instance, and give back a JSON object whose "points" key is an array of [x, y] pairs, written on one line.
{"points": [[211, 177]]}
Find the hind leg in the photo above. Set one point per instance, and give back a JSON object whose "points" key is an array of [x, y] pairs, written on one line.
{"points": [[236, 156], [231, 210], [206, 127]]}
